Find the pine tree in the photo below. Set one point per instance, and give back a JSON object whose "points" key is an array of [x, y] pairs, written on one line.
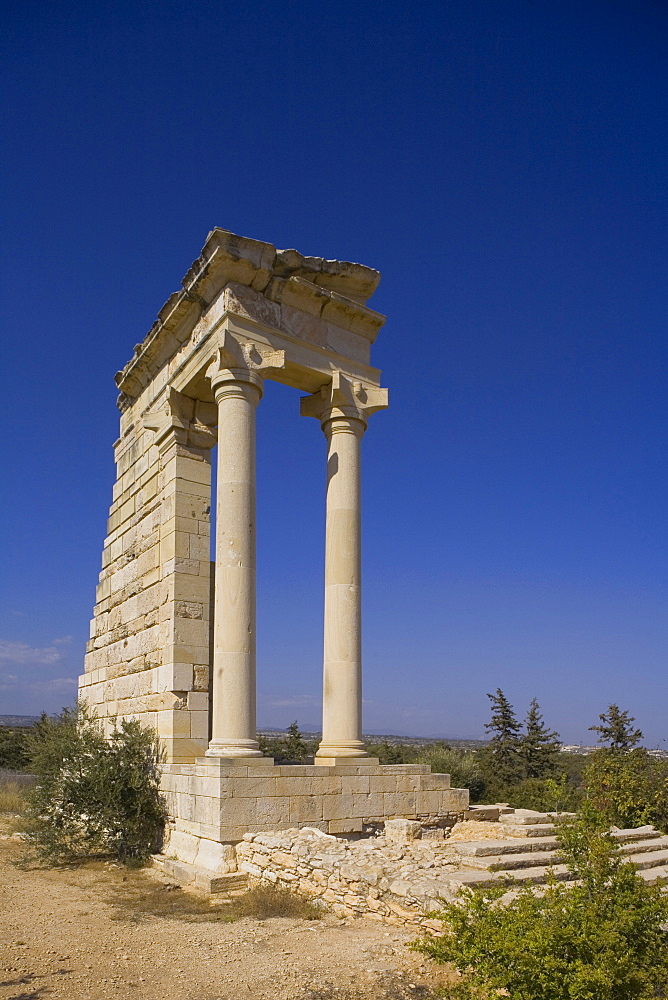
{"points": [[504, 750], [294, 745], [539, 745], [617, 729]]}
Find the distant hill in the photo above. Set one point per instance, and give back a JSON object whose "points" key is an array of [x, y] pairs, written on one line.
{"points": [[18, 720], [311, 733]]}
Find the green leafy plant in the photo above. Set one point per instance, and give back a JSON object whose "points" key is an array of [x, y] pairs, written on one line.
{"points": [[14, 748], [554, 794], [600, 938], [94, 795], [629, 787], [291, 748], [463, 766]]}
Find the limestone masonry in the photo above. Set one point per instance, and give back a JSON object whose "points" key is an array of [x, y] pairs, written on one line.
{"points": [[173, 635], [400, 875]]}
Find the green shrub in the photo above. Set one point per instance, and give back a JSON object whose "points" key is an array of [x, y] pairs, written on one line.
{"points": [[543, 794], [629, 787], [94, 796], [14, 748], [598, 939], [463, 766], [393, 753], [289, 749]]}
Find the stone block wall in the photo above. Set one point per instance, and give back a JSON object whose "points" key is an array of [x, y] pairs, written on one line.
{"points": [[148, 654], [220, 800]]}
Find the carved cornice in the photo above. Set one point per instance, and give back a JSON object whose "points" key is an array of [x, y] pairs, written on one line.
{"points": [[332, 290]]}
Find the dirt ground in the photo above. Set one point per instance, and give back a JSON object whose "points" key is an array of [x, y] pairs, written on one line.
{"points": [[101, 931]]}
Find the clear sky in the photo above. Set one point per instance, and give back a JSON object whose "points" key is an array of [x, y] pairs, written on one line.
{"points": [[503, 164]]}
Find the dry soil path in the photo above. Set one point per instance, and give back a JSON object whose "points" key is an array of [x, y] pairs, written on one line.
{"points": [[70, 934]]}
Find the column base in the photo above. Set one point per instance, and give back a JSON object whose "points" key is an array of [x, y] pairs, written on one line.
{"points": [[351, 762], [234, 748], [346, 751]]}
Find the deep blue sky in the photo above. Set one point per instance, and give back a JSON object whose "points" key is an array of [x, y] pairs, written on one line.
{"points": [[502, 163]]}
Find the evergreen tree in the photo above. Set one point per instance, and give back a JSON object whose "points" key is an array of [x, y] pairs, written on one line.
{"points": [[539, 745], [294, 745], [617, 730], [503, 754]]}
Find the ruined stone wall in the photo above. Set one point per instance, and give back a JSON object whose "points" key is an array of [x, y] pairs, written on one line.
{"points": [[377, 878]]}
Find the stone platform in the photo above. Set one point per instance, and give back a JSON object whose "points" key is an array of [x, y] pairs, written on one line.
{"points": [[214, 802]]}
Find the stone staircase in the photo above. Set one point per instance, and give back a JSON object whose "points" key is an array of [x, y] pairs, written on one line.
{"points": [[526, 849]]}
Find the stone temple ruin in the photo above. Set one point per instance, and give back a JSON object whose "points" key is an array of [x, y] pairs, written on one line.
{"points": [[173, 635]]}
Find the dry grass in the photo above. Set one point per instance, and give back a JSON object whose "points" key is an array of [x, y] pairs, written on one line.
{"points": [[265, 901], [140, 896], [13, 790]]}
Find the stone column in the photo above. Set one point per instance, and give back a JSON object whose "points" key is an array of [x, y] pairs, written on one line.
{"points": [[236, 380], [342, 408]]}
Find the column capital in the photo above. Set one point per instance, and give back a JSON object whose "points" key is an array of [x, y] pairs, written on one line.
{"points": [[238, 362], [184, 420], [344, 399]]}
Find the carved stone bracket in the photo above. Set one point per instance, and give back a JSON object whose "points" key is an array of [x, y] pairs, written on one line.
{"points": [[242, 362], [188, 421], [344, 398]]}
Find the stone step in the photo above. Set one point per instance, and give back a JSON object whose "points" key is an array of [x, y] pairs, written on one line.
{"points": [[655, 859], [200, 878], [653, 875], [539, 830], [526, 830], [527, 817], [643, 854], [515, 862], [518, 845], [639, 833], [639, 846], [651, 868], [536, 875]]}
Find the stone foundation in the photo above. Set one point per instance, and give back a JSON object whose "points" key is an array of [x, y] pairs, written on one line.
{"points": [[220, 800]]}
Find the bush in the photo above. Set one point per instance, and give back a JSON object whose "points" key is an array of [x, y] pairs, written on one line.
{"points": [[289, 749], [393, 753], [264, 901], [629, 787], [543, 794], [94, 796], [14, 748], [598, 939], [462, 765]]}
